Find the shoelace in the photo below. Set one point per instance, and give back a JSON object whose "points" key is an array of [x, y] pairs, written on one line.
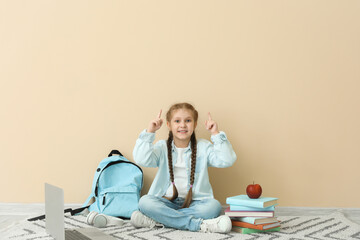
{"points": [[210, 225], [146, 221], [152, 223]]}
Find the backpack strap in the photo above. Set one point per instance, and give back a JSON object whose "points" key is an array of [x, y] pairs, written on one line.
{"points": [[90, 200], [78, 210], [43, 216]]}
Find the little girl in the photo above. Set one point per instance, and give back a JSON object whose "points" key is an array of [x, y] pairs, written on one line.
{"points": [[181, 196]]}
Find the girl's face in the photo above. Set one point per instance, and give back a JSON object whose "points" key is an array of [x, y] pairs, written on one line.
{"points": [[182, 125]]}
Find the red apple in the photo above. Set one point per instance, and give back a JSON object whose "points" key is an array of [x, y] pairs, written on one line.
{"points": [[254, 190]]}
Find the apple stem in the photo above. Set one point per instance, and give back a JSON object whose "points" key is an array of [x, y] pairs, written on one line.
{"points": [[253, 182]]}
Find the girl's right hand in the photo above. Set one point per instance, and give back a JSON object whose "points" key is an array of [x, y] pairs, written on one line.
{"points": [[155, 124]]}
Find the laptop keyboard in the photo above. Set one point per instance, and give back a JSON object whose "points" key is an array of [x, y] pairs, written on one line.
{"points": [[75, 235]]}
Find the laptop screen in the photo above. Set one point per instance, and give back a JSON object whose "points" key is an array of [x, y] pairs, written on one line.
{"points": [[54, 211]]}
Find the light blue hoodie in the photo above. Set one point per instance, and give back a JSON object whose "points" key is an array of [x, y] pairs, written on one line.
{"points": [[220, 155]]}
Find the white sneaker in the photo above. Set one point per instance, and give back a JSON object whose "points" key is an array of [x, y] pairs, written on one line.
{"points": [[138, 219], [220, 224]]}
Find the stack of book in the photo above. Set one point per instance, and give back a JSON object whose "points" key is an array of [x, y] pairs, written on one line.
{"points": [[250, 215]]}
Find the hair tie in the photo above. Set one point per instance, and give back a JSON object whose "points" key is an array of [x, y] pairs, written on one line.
{"points": [[191, 186], [172, 183]]}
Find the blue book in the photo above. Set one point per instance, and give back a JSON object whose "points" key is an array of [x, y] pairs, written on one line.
{"points": [[245, 208], [244, 200]]}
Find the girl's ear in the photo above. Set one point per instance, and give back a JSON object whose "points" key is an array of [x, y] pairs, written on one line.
{"points": [[168, 125]]}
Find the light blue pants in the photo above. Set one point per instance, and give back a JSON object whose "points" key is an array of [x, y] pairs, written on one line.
{"points": [[170, 214]]}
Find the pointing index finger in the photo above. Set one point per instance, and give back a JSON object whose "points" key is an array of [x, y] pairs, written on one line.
{"points": [[209, 116], [159, 116]]}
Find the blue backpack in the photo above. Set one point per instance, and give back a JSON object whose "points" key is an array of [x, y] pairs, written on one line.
{"points": [[116, 186]]}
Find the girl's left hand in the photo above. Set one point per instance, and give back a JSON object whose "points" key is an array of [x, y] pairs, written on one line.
{"points": [[211, 125]]}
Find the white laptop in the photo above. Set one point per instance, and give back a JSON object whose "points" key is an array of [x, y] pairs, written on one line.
{"points": [[54, 219]]}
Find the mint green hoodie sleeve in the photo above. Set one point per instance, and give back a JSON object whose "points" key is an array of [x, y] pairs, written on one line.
{"points": [[146, 153]]}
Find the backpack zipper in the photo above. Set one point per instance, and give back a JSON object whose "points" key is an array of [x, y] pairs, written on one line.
{"points": [[103, 203]]}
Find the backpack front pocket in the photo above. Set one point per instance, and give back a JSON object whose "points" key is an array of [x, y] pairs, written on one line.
{"points": [[119, 201]]}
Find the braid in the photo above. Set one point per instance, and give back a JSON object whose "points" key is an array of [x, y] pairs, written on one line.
{"points": [[188, 198], [169, 148]]}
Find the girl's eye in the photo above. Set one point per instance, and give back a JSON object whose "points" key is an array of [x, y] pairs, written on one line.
{"points": [[177, 121], [188, 120]]}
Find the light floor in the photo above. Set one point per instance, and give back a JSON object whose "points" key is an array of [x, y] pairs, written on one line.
{"points": [[13, 213]]}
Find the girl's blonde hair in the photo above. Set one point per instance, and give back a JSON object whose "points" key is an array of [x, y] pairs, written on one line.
{"points": [[173, 108]]}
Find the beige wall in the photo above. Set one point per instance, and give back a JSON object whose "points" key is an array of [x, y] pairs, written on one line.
{"points": [[281, 78]]}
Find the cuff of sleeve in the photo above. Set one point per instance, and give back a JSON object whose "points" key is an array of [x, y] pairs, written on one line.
{"points": [[146, 136], [219, 138]]}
